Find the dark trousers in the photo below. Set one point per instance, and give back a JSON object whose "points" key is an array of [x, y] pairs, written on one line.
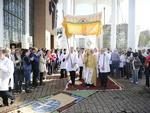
{"points": [[128, 70], [140, 73], [49, 66], [53, 67], [5, 95], [73, 76], [63, 73], [18, 78], [41, 77], [27, 76], [104, 79], [115, 68], [35, 78], [80, 72], [147, 80], [121, 71]]}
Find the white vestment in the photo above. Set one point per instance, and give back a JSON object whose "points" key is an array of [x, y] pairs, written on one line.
{"points": [[88, 75]]}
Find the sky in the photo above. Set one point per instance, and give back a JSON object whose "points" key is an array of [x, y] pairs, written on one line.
{"points": [[142, 12]]}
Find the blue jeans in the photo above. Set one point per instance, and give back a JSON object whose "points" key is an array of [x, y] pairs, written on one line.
{"points": [[27, 76], [135, 75]]}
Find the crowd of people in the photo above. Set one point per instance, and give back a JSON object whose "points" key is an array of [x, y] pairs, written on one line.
{"points": [[25, 69]]}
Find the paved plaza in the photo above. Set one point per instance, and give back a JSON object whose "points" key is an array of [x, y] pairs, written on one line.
{"points": [[132, 99]]}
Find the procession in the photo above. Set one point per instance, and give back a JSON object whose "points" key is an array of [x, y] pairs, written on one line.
{"points": [[74, 56]]}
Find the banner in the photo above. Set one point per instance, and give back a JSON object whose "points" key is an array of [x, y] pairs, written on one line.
{"points": [[83, 25]]}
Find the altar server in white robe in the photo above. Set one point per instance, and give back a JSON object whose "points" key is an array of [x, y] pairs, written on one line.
{"points": [[104, 67], [63, 64], [72, 64]]}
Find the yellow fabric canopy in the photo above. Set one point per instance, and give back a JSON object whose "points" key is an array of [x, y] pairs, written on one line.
{"points": [[83, 25]]}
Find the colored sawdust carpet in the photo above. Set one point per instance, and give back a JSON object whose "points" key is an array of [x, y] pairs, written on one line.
{"points": [[54, 104], [46, 104], [79, 95], [80, 85]]}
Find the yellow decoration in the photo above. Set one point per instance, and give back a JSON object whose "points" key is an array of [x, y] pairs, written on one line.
{"points": [[83, 25]]}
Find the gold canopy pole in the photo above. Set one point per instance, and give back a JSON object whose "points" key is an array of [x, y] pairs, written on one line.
{"points": [[67, 42]]}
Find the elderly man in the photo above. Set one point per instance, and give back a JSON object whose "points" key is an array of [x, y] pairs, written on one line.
{"points": [[6, 70]]}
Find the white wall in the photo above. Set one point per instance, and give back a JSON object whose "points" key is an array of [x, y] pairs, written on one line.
{"points": [[47, 40]]}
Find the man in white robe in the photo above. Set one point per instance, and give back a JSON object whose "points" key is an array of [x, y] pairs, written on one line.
{"points": [[104, 67], [72, 64], [63, 64], [6, 69]]}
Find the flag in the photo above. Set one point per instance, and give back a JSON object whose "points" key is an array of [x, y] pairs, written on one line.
{"points": [[83, 25]]}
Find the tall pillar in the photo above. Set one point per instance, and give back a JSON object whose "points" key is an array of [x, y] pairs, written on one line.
{"points": [[25, 40], [68, 10], [131, 26], [64, 2], [1, 24], [113, 25], [71, 9], [95, 9], [101, 42], [73, 13]]}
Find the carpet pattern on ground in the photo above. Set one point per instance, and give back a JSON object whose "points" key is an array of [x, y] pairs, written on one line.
{"points": [[54, 104], [79, 85], [62, 101], [79, 95], [46, 105]]}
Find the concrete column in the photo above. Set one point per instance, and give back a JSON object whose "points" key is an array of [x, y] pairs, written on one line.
{"points": [[101, 41], [64, 7], [131, 26], [72, 10], [95, 10], [1, 24], [68, 7], [25, 40], [113, 25]]}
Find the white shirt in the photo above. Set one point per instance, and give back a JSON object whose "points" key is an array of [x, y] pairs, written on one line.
{"points": [[80, 60], [42, 64], [109, 53], [97, 56], [71, 61], [63, 64], [122, 60], [6, 72], [104, 63]]}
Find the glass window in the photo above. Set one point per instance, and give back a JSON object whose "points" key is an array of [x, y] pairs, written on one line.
{"points": [[31, 17], [14, 20], [10, 33], [6, 32], [9, 19]]}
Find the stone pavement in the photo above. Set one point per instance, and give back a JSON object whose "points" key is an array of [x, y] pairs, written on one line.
{"points": [[51, 87], [132, 99]]}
